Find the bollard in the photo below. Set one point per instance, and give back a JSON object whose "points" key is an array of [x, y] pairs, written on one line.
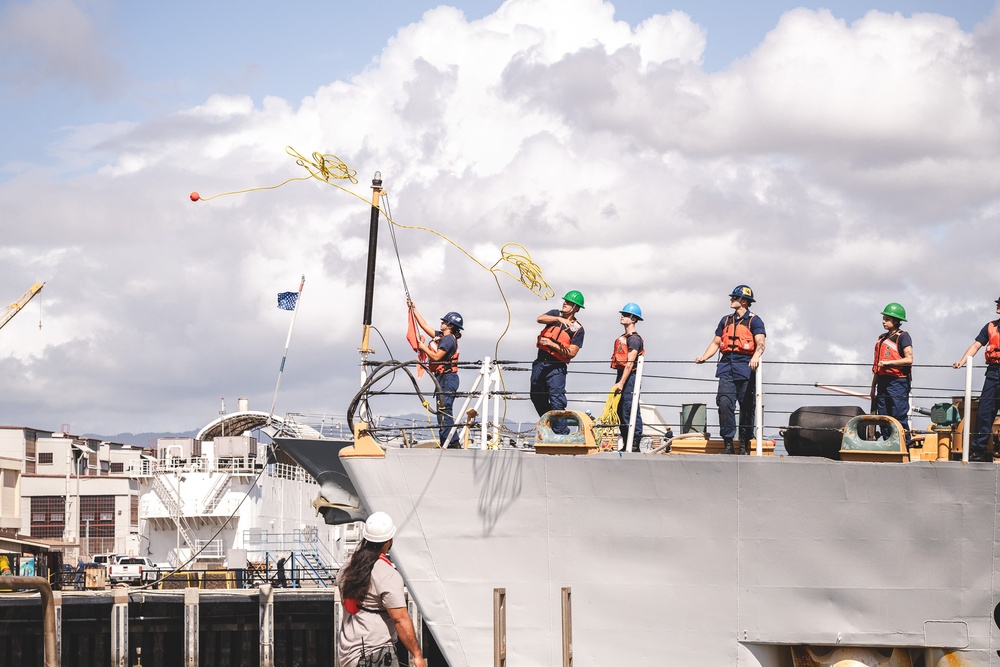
{"points": [[499, 627], [119, 629], [266, 625], [191, 627]]}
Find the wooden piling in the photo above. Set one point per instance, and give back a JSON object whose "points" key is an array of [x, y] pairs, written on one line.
{"points": [[499, 627], [266, 625], [119, 628], [567, 626], [191, 652]]}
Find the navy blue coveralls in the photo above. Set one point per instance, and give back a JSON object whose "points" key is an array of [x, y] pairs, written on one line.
{"points": [[447, 379], [548, 381], [892, 394], [737, 383], [989, 404]]}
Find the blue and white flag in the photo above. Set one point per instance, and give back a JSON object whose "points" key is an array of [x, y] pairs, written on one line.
{"points": [[287, 300]]}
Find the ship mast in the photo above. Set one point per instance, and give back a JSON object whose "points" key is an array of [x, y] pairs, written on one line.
{"points": [[365, 350]]}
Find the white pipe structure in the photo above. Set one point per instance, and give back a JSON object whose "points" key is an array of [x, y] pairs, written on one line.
{"points": [[967, 417], [484, 400], [488, 376], [495, 377], [635, 405], [465, 404], [841, 390], [759, 411]]}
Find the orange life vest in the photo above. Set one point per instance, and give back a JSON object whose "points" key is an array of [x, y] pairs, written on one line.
{"points": [[560, 334], [446, 365], [887, 348], [737, 337], [993, 344], [619, 356], [352, 606]]}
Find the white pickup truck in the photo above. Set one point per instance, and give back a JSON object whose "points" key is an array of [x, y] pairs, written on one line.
{"points": [[132, 570]]}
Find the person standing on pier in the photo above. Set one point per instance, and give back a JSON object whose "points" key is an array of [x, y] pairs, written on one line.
{"points": [[989, 398], [740, 337], [442, 350], [281, 579], [559, 342], [78, 577], [628, 348], [892, 371], [374, 604]]}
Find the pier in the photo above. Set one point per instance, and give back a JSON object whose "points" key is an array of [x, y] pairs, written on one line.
{"points": [[188, 627]]}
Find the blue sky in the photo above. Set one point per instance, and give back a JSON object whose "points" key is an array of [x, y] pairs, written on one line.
{"points": [[835, 160]]}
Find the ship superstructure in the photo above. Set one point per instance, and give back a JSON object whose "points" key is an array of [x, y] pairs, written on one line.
{"points": [[220, 501]]}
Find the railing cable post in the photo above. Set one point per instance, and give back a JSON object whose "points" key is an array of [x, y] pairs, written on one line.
{"points": [[485, 407], [967, 418], [758, 411], [635, 406]]}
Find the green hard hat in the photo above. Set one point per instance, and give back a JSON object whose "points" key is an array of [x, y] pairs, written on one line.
{"points": [[895, 310], [574, 296]]}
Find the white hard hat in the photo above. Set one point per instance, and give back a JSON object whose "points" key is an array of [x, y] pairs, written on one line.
{"points": [[379, 528]]}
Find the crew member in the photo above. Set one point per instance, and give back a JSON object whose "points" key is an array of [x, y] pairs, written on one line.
{"points": [[628, 348], [740, 337], [375, 615], [280, 579], [442, 350], [891, 368], [989, 399], [558, 343]]}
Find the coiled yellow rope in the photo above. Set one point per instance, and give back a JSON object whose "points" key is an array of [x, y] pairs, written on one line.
{"points": [[606, 426]]}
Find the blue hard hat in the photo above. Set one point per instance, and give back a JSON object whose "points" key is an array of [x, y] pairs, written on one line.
{"points": [[632, 309], [743, 292], [454, 319]]}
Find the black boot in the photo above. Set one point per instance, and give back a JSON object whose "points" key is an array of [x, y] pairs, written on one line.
{"points": [[744, 448], [727, 446]]}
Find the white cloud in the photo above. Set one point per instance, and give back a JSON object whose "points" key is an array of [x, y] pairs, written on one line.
{"points": [[835, 168]]}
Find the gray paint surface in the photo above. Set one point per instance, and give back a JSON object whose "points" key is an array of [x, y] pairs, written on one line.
{"points": [[707, 560]]}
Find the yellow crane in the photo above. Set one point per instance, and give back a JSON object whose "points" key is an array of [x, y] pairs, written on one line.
{"points": [[14, 308]]}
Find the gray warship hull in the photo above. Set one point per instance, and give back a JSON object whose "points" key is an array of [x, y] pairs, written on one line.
{"points": [[692, 560]]}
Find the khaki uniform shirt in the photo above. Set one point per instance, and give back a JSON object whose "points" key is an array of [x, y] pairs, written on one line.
{"points": [[371, 625]]}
